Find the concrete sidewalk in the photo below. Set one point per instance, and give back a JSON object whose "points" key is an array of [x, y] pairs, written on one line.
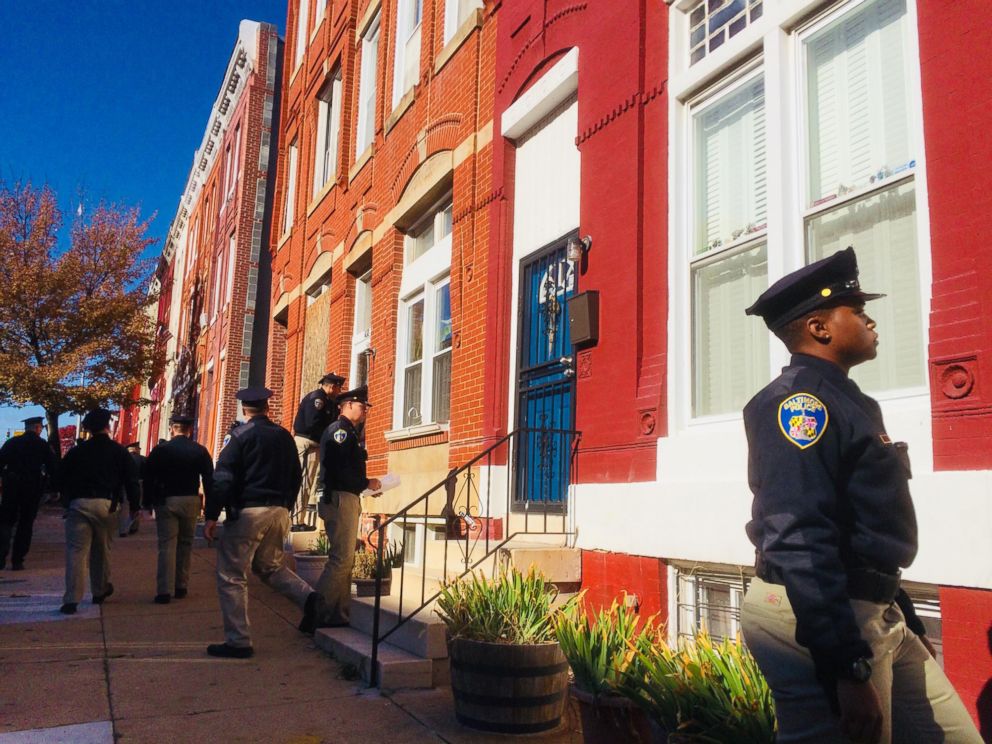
{"points": [[131, 670]]}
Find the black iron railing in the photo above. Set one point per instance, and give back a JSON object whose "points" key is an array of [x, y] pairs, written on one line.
{"points": [[517, 486]]}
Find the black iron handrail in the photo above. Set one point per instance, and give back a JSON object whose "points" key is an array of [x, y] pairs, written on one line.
{"points": [[542, 491]]}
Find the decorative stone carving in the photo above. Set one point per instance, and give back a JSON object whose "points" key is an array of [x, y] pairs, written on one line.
{"points": [[585, 365], [956, 381], [648, 422], [956, 378]]}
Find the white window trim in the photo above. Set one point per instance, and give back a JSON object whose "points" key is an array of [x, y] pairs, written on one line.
{"points": [[451, 24], [360, 341], [289, 203], [421, 279], [232, 252], [367, 77], [774, 43], [404, 7], [302, 23], [327, 109]]}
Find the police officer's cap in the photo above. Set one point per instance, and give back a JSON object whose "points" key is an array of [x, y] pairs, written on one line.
{"points": [[361, 394], [32, 420], [131, 445], [331, 378], [96, 420], [181, 419], [253, 397], [824, 282]]}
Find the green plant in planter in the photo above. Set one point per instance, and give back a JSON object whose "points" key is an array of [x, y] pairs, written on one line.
{"points": [[702, 691], [513, 608], [600, 647], [320, 546], [365, 562]]}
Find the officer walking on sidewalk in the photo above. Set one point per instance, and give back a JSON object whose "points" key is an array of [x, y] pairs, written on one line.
{"points": [[25, 461], [342, 465], [845, 655], [129, 521], [91, 478], [173, 474], [256, 479], [317, 409]]}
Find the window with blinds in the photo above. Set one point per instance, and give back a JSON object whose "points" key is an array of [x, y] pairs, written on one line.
{"points": [[729, 265], [367, 87], [861, 191]]}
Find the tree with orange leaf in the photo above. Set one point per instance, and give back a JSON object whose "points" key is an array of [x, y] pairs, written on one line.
{"points": [[74, 326]]}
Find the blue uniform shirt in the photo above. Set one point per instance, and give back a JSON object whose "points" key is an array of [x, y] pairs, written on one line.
{"points": [[831, 494]]}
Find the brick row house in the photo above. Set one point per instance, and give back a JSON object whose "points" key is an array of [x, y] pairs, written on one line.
{"points": [[511, 218], [213, 277]]}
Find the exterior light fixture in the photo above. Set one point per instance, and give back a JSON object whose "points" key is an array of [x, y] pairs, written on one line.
{"points": [[577, 248]]}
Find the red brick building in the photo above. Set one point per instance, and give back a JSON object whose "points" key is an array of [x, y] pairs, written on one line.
{"points": [[707, 148], [215, 271], [380, 240]]}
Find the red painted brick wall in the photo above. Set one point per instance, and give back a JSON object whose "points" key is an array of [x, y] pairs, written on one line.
{"points": [[967, 637], [956, 68], [450, 104], [622, 137], [606, 576]]}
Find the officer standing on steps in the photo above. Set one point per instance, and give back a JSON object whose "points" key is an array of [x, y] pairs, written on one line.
{"points": [[315, 412], [25, 461], [342, 465], [92, 478], [173, 474], [256, 480], [845, 655]]}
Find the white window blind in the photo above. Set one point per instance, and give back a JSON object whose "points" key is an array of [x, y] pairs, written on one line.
{"points": [[455, 14], [362, 330], [328, 131], [287, 217], [367, 88], [882, 228], [407, 61], [858, 100], [730, 167], [301, 32], [730, 349]]}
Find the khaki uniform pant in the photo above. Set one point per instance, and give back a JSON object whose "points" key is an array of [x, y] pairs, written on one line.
{"points": [[175, 522], [255, 539], [919, 703], [89, 528], [309, 453], [341, 514]]}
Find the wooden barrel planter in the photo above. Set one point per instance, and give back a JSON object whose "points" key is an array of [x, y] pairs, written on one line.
{"points": [[608, 719], [509, 689]]}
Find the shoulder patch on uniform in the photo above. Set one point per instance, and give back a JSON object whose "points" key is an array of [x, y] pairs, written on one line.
{"points": [[318, 403], [340, 435], [227, 438], [803, 418]]}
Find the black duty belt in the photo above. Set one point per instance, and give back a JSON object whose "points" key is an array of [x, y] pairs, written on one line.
{"points": [[263, 502], [865, 584]]}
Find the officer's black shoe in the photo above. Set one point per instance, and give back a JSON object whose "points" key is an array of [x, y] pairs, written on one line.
{"points": [[180, 593], [17, 566], [69, 608], [162, 599], [225, 651], [312, 611], [99, 598]]}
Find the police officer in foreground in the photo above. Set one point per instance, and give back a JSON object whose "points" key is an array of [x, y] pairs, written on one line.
{"points": [[342, 468], [128, 522], [845, 655], [315, 412], [256, 479], [174, 472], [92, 478], [25, 461]]}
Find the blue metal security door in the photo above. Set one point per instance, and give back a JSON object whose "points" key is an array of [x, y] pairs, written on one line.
{"points": [[545, 380]]}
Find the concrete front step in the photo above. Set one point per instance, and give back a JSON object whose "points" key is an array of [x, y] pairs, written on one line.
{"points": [[423, 635], [398, 669]]}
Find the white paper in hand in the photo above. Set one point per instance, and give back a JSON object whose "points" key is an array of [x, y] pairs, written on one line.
{"points": [[388, 481]]}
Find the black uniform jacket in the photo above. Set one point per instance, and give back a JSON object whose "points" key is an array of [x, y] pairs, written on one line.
{"points": [[831, 494], [316, 411], [176, 468], [342, 458], [24, 461], [98, 468], [258, 467]]}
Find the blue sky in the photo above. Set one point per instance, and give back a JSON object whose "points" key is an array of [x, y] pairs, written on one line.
{"points": [[111, 97]]}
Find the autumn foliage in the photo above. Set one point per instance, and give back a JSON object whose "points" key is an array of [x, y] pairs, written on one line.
{"points": [[74, 325]]}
